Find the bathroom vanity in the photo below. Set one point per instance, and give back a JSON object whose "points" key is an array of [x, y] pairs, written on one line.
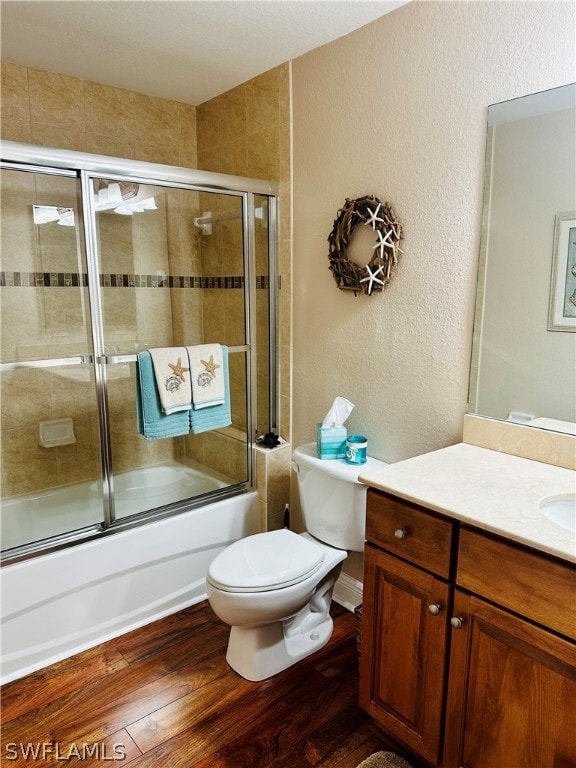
{"points": [[469, 610]]}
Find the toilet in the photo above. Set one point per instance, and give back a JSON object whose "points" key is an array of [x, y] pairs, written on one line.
{"points": [[274, 589]]}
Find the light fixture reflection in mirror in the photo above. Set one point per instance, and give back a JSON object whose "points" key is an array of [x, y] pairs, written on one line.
{"points": [[522, 369]]}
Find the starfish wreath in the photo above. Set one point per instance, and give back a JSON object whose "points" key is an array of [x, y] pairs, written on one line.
{"points": [[370, 211]]}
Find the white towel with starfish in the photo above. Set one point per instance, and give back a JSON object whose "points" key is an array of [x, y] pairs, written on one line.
{"points": [[172, 374], [207, 374]]}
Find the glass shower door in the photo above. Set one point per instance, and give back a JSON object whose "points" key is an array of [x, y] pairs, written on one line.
{"points": [[49, 424], [171, 272]]}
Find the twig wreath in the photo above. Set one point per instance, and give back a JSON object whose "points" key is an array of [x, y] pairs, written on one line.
{"points": [[378, 272]]}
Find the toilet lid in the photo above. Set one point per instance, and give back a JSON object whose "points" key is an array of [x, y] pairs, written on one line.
{"points": [[265, 561]]}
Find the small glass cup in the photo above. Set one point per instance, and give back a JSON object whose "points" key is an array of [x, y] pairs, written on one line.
{"points": [[356, 446]]}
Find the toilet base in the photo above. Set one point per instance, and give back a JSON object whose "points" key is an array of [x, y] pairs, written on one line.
{"points": [[261, 652], [257, 653]]}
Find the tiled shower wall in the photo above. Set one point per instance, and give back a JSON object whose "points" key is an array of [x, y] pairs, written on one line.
{"points": [[245, 131], [49, 109]]}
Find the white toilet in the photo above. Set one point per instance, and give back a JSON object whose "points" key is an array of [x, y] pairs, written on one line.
{"points": [[275, 588]]}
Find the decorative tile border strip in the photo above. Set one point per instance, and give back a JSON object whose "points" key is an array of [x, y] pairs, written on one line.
{"points": [[121, 280]]}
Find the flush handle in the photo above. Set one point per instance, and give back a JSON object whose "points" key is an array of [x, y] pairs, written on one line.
{"points": [[400, 533]]}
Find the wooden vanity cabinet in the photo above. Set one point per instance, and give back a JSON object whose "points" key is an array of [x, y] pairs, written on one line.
{"points": [[512, 693], [512, 684], [406, 610], [468, 642]]}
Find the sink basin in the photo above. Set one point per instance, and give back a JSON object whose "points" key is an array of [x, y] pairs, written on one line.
{"points": [[561, 510]]}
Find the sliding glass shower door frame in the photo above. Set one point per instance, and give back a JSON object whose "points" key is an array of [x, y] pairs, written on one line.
{"points": [[87, 168]]}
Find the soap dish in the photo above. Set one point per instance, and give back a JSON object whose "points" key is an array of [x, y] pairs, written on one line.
{"points": [[56, 432]]}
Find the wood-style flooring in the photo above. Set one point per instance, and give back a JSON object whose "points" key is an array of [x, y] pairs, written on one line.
{"points": [[163, 696]]}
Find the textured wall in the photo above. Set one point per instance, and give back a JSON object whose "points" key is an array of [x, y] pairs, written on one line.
{"points": [[398, 109]]}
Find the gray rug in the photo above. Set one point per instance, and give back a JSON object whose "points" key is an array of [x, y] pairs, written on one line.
{"points": [[384, 760]]}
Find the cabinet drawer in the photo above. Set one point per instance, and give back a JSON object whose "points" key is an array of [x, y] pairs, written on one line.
{"points": [[410, 532], [538, 587]]}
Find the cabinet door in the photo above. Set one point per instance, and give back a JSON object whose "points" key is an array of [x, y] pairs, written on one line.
{"points": [[512, 692], [403, 659]]}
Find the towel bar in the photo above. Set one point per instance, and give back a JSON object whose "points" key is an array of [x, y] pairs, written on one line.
{"points": [[49, 363], [114, 359], [86, 360]]}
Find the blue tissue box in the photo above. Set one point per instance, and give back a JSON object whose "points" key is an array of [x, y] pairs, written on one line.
{"points": [[331, 442]]}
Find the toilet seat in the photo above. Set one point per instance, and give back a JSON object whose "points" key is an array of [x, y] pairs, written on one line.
{"points": [[265, 562]]}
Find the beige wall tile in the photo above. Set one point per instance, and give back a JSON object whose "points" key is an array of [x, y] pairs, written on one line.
{"points": [[187, 128], [109, 110], [80, 460], [263, 100], [56, 99], [156, 153], [113, 146], [155, 120], [284, 100], [18, 184], [25, 398], [262, 158], [520, 440], [129, 449], [233, 107], [19, 250], [16, 130], [25, 308], [60, 137], [15, 103], [187, 158], [26, 464], [208, 123]]}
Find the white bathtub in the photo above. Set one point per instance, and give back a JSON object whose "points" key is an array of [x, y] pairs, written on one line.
{"points": [[33, 516], [58, 604]]}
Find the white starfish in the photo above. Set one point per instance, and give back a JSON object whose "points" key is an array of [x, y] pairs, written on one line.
{"points": [[382, 242], [373, 216], [371, 279]]}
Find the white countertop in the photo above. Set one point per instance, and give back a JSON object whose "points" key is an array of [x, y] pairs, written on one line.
{"points": [[491, 490]]}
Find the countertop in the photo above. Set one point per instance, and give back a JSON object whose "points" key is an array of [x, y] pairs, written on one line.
{"points": [[488, 489]]}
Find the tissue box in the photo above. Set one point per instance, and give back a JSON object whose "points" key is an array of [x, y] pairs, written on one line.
{"points": [[331, 442]]}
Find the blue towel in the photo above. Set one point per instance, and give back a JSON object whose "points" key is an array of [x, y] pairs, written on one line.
{"points": [[216, 416], [153, 423]]}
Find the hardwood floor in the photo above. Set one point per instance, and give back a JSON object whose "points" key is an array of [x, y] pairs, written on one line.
{"points": [[164, 697]]}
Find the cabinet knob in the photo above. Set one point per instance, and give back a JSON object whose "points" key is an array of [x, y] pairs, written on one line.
{"points": [[400, 533], [435, 609], [457, 622]]}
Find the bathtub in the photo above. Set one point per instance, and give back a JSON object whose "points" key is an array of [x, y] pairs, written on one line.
{"points": [[34, 516], [58, 604]]}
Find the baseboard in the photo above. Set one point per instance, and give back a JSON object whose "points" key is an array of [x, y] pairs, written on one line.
{"points": [[347, 592]]}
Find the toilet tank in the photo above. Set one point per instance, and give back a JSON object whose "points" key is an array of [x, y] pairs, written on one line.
{"points": [[332, 499]]}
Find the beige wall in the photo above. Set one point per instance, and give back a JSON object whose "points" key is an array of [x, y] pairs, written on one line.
{"points": [[398, 109]]}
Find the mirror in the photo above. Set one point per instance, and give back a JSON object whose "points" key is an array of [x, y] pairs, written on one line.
{"points": [[524, 348]]}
